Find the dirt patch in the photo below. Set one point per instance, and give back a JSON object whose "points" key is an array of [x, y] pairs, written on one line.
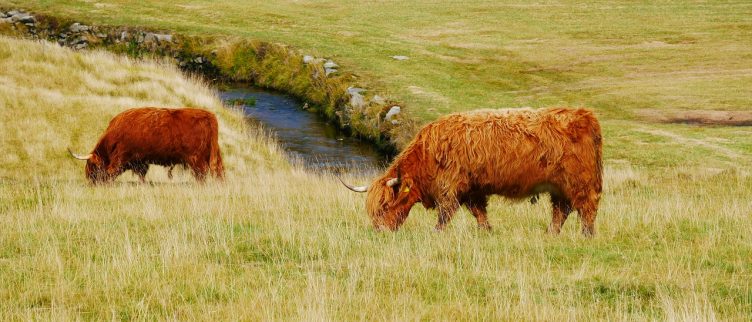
{"points": [[699, 117]]}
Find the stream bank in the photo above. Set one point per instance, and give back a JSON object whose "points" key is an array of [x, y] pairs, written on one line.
{"points": [[318, 82]]}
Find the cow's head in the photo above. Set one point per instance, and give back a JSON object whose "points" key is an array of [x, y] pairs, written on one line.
{"points": [[95, 166], [389, 199]]}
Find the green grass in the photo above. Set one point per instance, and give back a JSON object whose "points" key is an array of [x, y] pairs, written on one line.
{"points": [[276, 242]]}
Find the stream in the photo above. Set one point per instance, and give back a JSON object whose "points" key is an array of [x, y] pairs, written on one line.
{"points": [[304, 135]]}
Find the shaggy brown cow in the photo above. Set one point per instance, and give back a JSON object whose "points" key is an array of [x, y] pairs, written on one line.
{"points": [[139, 137], [463, 158]]}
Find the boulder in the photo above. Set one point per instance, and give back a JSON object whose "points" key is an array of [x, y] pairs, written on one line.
{"points": [[392, 113], [398, 57], [27, 19], [77, 27], [357, 100], [330, 64], [355, 90]]}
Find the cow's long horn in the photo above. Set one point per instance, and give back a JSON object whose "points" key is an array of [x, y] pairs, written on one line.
{"points": [[353, 188], [86, 157], [392, 181]]}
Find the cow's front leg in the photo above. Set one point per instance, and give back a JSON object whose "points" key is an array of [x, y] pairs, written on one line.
{"points": [[446, 211]]}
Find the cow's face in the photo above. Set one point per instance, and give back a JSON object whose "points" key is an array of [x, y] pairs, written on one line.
{"points": [[389, 201], [96, 169]]}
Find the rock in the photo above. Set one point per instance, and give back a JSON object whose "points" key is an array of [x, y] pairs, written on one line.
{"points": [[79, 40], [101, 35], [80, 46], [30, 25], [401, 57], [307, 59], [123, 36], [357, 100], [77, 27], [392, 113], [164, 37], [355, 90], [378, 100], [330, 64], [199, 60], [27, 19], [3, 15], [62, 35], [329, 71], [13, 13], [6, 20]]}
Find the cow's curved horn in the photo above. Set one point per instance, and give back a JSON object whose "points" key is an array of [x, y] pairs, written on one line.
{"points": [[392, 181], [85, 157], [353, 188]]}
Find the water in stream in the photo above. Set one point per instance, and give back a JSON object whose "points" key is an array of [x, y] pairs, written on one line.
{"points": [[304, 135]]}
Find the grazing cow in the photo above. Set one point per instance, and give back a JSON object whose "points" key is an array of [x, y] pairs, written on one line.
{"points": [[139, 137], [463, 158]]}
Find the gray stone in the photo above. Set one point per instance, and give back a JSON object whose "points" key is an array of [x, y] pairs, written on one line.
{"points": [[13, 13], [392, 113], [77, 27], [164, 37], [30, 25], [378, 100], [307, 59], [330, 64], [6, 20], [199, 60], [3, 15], [27, 19], [123, 35], [400, 57], [63, 35], [80, 46], [355, 90], [79, 40], [101, 35], [357, 100], [330, 71]]}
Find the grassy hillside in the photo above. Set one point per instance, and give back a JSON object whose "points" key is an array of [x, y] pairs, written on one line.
{"points": [[275, 242], [612, 56]]}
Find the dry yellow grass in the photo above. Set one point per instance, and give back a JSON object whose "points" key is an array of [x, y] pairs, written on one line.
{"points": [[276, 242]]}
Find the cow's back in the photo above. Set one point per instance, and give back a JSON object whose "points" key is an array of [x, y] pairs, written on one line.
{"points": [[159, 135], [510, 150]]}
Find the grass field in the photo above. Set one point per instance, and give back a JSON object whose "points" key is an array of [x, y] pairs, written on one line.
{"points": [[276, 242]]}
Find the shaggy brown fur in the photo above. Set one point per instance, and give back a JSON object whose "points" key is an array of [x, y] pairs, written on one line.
{"points": [[139, 137], [462, 159]]}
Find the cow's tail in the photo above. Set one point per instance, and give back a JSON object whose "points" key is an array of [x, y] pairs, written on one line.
{"points": [[215, 160], [598, 153]]}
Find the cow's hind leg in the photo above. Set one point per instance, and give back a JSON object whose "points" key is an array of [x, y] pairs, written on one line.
{"points": [[561, 209], [477, 206], [587, 208], [200, 169]]}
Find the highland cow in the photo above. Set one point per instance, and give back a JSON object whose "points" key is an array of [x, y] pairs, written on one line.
{"points": [[139, 137], [463, 158]]}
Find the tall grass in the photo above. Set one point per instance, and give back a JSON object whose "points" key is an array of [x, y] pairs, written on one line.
{"points": [[276, 242]]}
